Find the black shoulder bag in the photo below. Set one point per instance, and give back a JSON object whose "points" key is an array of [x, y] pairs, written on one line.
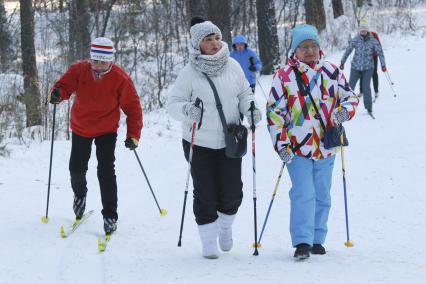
{"points": [[235, 134], [331, 137]]}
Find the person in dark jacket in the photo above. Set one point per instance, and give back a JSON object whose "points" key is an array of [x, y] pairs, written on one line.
{"points": [[362, 63], [375, 74], [247, 58], [101, 89]]}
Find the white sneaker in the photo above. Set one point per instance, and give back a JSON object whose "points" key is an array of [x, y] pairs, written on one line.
{"points": [[225, 231], [208, 235]]}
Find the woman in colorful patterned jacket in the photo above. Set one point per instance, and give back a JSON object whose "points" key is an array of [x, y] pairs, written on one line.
{"points": [[297, 134]]}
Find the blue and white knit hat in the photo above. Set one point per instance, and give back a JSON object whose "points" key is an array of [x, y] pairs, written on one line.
{"points": [[102, 49]]}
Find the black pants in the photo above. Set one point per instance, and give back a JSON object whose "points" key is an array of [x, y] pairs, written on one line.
{"points": [[217, 183], [375, 78], [80, 155]]}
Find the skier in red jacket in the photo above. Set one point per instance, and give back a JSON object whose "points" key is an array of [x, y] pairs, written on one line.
{"points": [[101, 89]]}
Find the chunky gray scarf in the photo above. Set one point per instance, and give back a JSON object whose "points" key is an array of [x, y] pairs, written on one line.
{"points": [[212, 65]]}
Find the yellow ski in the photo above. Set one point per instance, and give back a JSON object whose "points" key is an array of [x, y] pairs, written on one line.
{"points": [[103, 242], [71, 229]]}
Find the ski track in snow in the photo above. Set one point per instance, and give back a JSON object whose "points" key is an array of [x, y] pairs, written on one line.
{"points": [[385, 166]]}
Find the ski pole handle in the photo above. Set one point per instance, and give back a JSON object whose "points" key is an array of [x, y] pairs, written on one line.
{"points": [[198, 103], [252, 108]]}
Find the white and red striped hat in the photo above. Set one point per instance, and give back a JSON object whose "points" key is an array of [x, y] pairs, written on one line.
{"points": [[102, 49]]}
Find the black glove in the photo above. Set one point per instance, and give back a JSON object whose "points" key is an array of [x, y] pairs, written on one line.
{"points": [[252, 68], [131, 143], [55, 96]]}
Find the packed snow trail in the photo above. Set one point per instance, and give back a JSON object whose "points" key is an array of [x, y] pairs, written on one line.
{"points": [[385, 166]]}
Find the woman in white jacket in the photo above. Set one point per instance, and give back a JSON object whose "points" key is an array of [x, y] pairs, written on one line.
{"points": [[216, 178]]}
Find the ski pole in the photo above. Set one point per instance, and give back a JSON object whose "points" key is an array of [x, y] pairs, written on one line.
{"points": [[348, 243], [270, 204], [253, 151], [390, 83], [163, 212], [45, 219], [194, 126]]}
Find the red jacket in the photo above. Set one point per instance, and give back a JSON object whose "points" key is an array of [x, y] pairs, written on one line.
{"points": [[97, 103], [376, 36]]}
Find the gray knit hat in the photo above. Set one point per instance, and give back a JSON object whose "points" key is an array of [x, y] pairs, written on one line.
{"points": [[200, 31]]}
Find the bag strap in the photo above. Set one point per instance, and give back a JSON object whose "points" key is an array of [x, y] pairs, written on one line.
{"points": [[306, 90], [218, 103]]}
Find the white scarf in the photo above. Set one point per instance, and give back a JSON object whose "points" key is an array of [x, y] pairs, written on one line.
{"points": [[212, 65]]}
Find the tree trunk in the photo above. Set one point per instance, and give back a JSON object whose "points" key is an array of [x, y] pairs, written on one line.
{"points": [[31, 96], [315, 13], [196, 8], [5, 40], [108, 14], [83, 22], [337, 8], [267, 34], [219, 14], [79, 34]]}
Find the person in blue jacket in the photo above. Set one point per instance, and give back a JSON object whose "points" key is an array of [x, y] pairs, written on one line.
{"points": [[247, 58]]}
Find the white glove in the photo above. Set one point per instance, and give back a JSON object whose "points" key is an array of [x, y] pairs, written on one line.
{"points": [[193, 112], [257, 116]]}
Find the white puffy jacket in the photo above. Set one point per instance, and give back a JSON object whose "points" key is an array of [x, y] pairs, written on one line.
{"points": [[234, 92]]}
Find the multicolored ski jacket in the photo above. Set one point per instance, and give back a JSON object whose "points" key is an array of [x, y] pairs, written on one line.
{"points": [[292, 116]]}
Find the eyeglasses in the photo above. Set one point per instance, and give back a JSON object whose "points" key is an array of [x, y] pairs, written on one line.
{"points": [[306, 48]]}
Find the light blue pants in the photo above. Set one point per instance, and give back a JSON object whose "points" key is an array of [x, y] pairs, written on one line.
{"points": [[310, 199]]}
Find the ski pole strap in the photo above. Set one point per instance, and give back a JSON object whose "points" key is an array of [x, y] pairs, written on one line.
{"points": [[199, 102], [306, 91]]}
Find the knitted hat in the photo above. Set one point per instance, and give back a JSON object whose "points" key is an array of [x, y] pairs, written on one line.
{"points": [[102, 49], [199, 31], [300, 33], [363, 25]]}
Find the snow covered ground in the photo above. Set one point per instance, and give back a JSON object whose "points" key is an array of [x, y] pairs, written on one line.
{"points": [[385, 168]]}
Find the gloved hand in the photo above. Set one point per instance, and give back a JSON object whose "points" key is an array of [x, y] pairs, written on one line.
{"points": [[131, 143], [193, 112], [338, 117], [342, 66], [252, 68], [54, 97], [384, 69], [257, 116], [286, 154]]}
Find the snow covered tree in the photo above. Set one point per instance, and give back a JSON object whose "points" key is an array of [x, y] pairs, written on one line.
{"points": [[337, 8], [315, 13], [267, 34], [31, 97], [219, 14], [79, 34], [5, 39]]}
